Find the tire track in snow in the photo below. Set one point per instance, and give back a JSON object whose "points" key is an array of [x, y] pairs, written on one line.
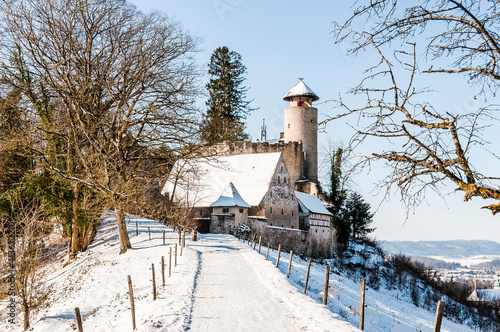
{"points": [[189, 318]]}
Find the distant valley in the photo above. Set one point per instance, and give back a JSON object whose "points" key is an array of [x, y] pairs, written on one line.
{"points": [[450, 249]]}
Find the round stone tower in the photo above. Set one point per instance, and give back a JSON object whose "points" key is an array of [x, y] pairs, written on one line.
{"points": [[301, 124]]}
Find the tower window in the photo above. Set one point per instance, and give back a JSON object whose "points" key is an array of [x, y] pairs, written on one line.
{"points": [[300, 103], [281, 211], [288, 125], [241, 210]]}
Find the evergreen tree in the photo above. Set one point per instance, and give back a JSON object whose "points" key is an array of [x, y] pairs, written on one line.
{"points": [[226, 105], [357, 215], [337, 197]]}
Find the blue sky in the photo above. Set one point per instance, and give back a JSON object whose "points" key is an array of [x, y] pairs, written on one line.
{"points": [[280, 41]]}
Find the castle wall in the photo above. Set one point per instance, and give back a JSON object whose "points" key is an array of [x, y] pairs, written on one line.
{"points": [[280, 203], [301, 242], [292, 152]]}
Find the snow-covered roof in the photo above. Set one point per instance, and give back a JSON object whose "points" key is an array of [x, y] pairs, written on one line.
{"points": [[230, 197], [312, 203], [485, 295], [301, 89], [200, 182]]}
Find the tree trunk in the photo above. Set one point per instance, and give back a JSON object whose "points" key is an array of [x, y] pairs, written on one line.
{"points": [[26, 311], [75, 241], [88, 236], [122, 230]]}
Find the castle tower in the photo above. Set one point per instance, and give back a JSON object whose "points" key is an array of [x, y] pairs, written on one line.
{"points": [[301, 124]]}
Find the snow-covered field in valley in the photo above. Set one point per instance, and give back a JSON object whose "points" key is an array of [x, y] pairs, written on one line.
{"points": [[219, 284]]}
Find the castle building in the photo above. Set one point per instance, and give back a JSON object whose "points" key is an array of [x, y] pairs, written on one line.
{"points": [[271, 187], [299, 144]]}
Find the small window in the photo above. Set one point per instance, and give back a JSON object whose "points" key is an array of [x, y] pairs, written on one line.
{"points": [[300, 103], [292, 213], [201, 213], [241, 210], [282, 168], [288, 126], [278, 179], [271, 209], [281, 211]]}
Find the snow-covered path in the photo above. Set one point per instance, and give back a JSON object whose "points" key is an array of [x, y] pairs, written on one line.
{"points": [[229, 296], [233, 292]]}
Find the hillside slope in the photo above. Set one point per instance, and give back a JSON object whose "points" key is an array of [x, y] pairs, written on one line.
{"points": [[220, 284], [96, 282]]}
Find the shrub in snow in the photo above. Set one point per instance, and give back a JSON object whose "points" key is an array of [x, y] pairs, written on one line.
{"points": [[243, 230]]}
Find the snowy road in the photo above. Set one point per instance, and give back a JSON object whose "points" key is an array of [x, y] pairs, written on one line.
{"points": [[231, 295]]}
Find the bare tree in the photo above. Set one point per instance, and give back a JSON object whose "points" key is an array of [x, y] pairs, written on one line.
{"points": [[124, 83], [24, 232], [430, 146]]}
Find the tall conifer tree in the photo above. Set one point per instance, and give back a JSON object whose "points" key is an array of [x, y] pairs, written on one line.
{"points": [[226, 105]]}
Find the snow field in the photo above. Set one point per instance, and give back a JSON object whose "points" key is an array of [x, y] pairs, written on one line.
{"points": [[96, 282], [344, 296]]}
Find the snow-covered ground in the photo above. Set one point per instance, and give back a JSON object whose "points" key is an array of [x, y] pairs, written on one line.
{"points": [[386, 311], [219, 284]]}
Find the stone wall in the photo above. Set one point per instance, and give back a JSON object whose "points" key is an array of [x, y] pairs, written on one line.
{"points": [[280, 202], [301, 242]]}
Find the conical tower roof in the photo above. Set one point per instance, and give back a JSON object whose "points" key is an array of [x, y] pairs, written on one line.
{"points": [[230, 197], [301, 90]]}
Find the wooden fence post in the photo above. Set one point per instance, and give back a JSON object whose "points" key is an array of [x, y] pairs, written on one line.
{"points": [[327, 281], [163, 270], [136, 229], [175, 258], [255, 242], [183, 239], [132, 305], [154, 281], [307, 276], [163, 237], [267, 255], [180, 237], [78, 318], [170, 264], [260, 243], [149, 233], [439, 316], [180, 254], [362, 306], [289, 264], [279, 253]]}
